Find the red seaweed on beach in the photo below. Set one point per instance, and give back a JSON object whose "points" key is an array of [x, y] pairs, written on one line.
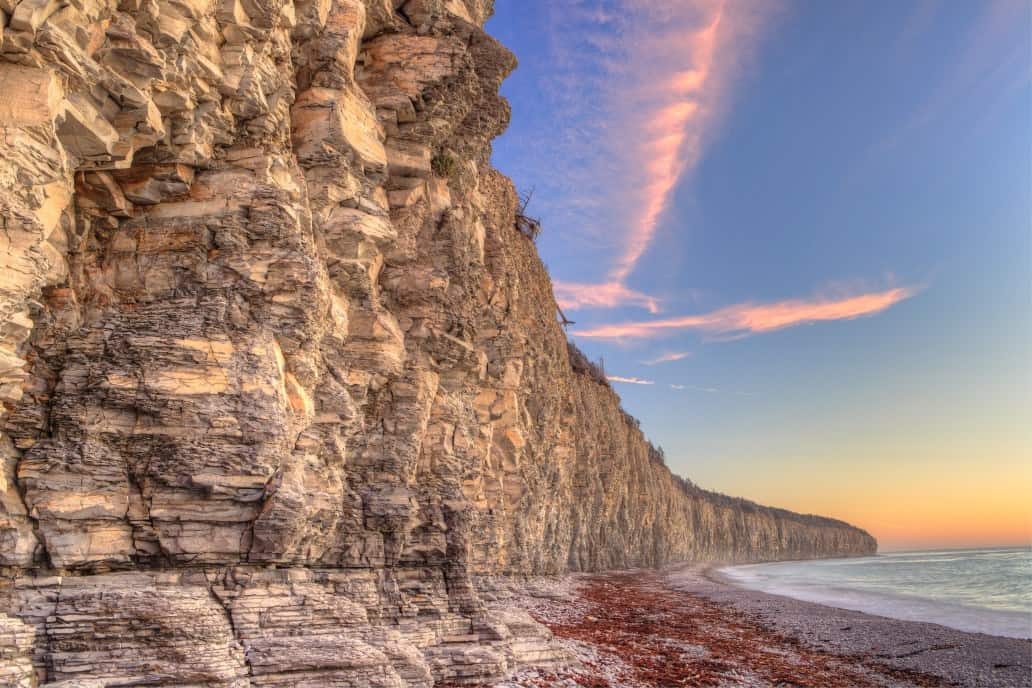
{"points": [[666, 638]]}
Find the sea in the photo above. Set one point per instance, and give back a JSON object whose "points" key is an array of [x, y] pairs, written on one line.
{"points": [[977, 590]]}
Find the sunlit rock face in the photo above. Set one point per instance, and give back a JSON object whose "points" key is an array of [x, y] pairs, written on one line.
{"points": [[279, 379]]}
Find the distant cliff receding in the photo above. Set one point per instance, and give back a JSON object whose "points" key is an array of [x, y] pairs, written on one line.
{"points": [[280, 376]]}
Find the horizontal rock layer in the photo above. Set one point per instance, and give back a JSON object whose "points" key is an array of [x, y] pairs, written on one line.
{"points": [[280, 380]]}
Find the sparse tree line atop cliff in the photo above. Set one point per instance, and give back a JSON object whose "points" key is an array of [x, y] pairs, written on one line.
{"points": [[658, 456], [748, 506], [596, 371]]}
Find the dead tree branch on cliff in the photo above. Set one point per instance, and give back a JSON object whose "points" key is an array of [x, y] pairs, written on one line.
{"points": [[562, 317], [528, 226]]}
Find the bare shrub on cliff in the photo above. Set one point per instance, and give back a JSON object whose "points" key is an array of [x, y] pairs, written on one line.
{"points": [[583, 365], [526, 225]]}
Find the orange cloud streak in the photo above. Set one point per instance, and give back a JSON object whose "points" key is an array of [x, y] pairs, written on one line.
{"points": [[748, 318]]}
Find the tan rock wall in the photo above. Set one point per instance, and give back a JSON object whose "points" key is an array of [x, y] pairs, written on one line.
{"points": [[278, 376]]}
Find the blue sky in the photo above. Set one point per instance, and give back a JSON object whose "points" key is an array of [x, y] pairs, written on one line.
{"points": [[819, 215]]}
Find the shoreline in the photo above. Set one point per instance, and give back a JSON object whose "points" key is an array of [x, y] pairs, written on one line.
{"points": [[685, 626], [963, 658], [1018, 625]]}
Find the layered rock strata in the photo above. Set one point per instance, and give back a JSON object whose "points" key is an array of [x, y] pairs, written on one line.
{"points": [[279, 378]]}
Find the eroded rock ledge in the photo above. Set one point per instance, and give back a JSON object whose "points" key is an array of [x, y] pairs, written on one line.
{"points": [[279, 379]]}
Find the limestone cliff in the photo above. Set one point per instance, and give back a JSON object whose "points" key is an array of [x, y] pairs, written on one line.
{"points": [[280, 379]]}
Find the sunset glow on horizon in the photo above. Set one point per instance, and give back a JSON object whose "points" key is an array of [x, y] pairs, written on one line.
{"points": [[799, 235]]}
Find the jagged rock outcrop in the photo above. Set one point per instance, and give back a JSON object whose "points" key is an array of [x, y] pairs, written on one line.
{"points": [[280, 380]]}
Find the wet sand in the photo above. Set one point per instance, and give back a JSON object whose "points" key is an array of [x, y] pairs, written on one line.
{"points": [[688, 627]]}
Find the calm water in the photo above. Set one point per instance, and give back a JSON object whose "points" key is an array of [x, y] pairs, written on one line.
{"points": [[980, 590]]}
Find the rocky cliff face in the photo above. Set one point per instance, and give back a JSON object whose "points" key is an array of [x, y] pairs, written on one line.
{"points": [[280, 379]]}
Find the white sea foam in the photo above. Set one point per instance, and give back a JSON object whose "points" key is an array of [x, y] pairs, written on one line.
{"points": [[977, 590]]}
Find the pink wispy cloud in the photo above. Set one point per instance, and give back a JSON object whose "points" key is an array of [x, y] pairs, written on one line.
{"points": [[668, 357], [674, 112], [573, 295], [749, 318], [629, 380], [669, 70]]}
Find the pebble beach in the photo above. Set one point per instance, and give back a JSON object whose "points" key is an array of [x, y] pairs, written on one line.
{"points": [[690, 627]]}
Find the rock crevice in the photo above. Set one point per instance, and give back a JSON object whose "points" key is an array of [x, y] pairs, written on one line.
{"points": [[279, 379]]}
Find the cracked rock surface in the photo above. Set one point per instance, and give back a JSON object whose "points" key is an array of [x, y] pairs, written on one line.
{"points": [[279, 380]]}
